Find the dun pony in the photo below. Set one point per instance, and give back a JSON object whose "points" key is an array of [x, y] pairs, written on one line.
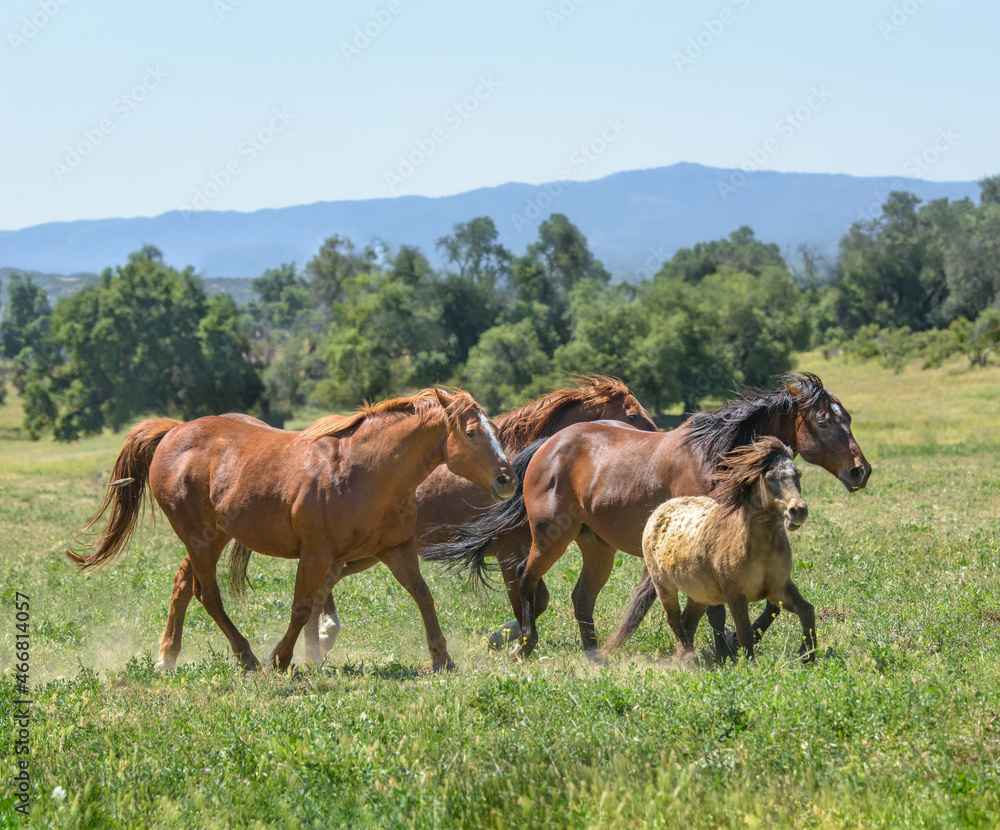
{"points": [[732, 548]]}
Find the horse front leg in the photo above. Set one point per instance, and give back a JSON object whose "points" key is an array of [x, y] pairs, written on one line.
{"points": [[314, 578], [405, 566], [790, 597]]}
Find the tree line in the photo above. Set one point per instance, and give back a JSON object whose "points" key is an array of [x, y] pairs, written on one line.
{"points": [[365, 323]]}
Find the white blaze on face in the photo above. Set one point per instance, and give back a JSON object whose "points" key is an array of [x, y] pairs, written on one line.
{"points": [[488, 431], [837, 410]]}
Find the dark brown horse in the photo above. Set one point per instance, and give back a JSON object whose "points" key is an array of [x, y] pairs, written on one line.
{"points": [[447, 499], [598, 484], [343, 489], [731, 547]]}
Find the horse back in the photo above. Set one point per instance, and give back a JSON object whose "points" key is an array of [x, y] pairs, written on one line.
{"points": [[611, 476]]}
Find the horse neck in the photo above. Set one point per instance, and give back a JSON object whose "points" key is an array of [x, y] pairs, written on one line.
{"points": [[517, 439], [762, 526], [783, 427], [411, 448]]}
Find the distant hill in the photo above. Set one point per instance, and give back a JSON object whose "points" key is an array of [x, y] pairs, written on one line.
{"points": [[633, 220]]}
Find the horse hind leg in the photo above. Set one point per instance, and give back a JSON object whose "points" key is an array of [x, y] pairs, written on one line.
{"points": [[598, 562], [667, 593], [203, 560], [170, 642], [321, 630], [329, 624], [740, 609]]}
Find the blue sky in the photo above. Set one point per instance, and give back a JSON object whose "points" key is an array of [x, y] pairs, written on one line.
{"points": [[115, 109]]}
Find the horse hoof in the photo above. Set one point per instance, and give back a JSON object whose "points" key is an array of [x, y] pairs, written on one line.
{"points": [[594, 656], [505, 635], [329, 629], [449, 666]]}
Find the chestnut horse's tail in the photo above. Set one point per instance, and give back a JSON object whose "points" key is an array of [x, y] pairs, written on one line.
{"points": [[467, 545], [642, 600], [125, 494]]}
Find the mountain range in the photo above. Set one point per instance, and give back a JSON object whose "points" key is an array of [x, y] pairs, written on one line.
{"points": [[633, 220]]}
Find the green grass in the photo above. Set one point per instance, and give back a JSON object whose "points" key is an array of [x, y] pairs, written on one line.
{"points": [[896, 725]]}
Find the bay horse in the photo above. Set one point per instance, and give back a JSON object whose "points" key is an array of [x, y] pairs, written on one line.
{"points": [[731, 547], [342, 489], [446, 499], [597, 484]]}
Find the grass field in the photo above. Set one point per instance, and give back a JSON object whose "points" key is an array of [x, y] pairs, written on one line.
{"points": [[896, 725]]}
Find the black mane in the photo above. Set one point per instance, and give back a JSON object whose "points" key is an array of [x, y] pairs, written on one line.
{"points": [[738, 423]]}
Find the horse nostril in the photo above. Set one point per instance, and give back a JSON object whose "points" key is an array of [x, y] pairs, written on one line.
{"points": [[503, 479], [798, 513], [858, 473]]}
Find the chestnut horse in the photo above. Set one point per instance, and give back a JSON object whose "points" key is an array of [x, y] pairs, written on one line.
{"points": [[731, 547], [447, 499], [343, 489], [598, 484]]}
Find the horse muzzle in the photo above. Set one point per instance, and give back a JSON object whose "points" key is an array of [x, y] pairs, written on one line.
{"points": [[857, 477], [503, 487], [796, 516]]}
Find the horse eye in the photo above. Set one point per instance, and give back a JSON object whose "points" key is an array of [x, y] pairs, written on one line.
{"points": [[631, 416], [823, 422], [471, 433]]}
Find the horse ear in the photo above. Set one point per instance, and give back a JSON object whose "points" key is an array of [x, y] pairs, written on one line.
{"points": [[793, 389], [442, 398]]}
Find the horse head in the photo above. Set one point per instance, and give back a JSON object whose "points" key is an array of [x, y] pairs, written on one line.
{"points": [[472, 449], [823, 432]]}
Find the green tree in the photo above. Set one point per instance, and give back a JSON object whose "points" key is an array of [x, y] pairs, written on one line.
{"points": [[984, 339], [145, 339], [890, 269], [508, 365], [741, 251], [386, 336], [26, 322], [334, 264], [469, 293], [24, 331]]}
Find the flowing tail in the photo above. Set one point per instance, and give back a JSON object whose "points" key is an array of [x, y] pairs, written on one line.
{"points": [[239, 561], [467, 545], [642, 600], [125, 495]]}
